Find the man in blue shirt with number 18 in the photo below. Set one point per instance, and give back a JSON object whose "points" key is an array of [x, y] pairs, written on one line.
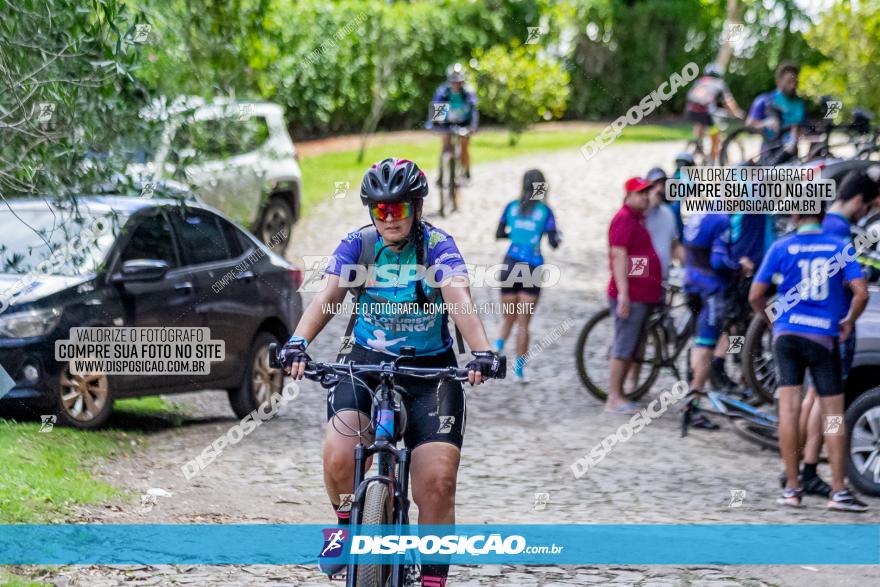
{"points": [[815, 267]]}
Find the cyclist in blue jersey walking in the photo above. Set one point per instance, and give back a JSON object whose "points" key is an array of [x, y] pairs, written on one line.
{"points": [[815, 265], [398, 243], [525, 222], [709, 269]]}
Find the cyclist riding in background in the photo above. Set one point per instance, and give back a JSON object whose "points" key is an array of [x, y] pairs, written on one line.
{"points": [[710, 92], [454, 103], [775, 110], [709, 269], [398, 308], [524, 221]]}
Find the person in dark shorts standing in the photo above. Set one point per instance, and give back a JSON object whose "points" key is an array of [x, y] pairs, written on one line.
{"points": [[634, 288], [398, 308], [809, 319], [525, 222]]}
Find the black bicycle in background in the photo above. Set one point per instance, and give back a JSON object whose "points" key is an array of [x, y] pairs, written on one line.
{"points": [[451, 168], [667, 336], [381, 499]]}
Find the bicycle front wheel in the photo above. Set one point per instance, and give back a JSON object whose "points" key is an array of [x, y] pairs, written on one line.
{"points": [[761, 435], [445, 180], [377, 510], [593, 356]]}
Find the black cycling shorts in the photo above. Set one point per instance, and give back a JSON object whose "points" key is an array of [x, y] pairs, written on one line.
{"points": [[737, 310], [529, 274], [703, 118], [795, 354], [433, 414]]}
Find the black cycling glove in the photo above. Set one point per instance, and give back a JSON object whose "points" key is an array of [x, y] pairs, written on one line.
{"points": [[489, 364], [294, 352]]}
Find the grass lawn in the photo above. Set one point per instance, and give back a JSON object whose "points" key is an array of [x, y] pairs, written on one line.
{"points": [[45, 473], [320, 172], [7, 580]]}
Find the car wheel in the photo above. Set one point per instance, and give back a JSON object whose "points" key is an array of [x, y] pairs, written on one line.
{"points": [[277, 218], [84, 401], [863, 458], [260, 381]]}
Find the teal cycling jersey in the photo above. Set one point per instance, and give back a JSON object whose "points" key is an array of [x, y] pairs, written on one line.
{"points": [[389, 315], [525, 231]]}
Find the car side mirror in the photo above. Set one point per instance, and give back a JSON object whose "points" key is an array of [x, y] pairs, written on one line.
{"points": [[141, 270]]}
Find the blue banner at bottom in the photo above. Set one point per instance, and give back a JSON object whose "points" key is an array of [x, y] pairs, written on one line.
{"points": [[602, 544]]}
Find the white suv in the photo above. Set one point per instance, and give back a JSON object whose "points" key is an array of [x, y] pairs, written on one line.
{"points": [[240, 158]]}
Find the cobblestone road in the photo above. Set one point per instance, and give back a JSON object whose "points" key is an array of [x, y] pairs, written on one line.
{"points": [[515, 432]]}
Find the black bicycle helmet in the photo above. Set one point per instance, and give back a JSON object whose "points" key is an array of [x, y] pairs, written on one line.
{"points": [[393, 180]]}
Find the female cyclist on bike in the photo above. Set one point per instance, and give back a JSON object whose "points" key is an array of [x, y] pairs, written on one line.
{"points": [[399, 306], [524, 221]]}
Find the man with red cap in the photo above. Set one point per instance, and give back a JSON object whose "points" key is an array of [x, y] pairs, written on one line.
{"points": [[635, 285]]}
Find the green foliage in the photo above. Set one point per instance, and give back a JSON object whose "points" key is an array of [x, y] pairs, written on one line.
{"points": [[518, 87], [68, 88], [849, 36], [323, 60], [623, 50], [774, 35]]}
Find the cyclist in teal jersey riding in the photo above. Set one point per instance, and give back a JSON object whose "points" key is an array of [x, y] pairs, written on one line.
{"points": [[810, 318], [776, 110], [454, 103], [398, 307], [525, 221]]}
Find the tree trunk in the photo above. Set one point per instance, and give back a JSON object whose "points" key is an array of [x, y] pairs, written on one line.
{"points": [[725, 51]]}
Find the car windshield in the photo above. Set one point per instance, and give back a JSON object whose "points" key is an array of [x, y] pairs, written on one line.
{"points": [[55, 241]]}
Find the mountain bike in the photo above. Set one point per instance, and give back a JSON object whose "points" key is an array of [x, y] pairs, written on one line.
{"points": [[381, 499], [749, 422], [667, 333], [724, 125], [451, 169]]}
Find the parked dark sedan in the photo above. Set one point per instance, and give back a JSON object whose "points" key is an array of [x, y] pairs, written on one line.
{"points": [[135, 262]]}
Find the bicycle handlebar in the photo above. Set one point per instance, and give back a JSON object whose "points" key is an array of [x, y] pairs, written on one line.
{"points": [[452, 129], [318, 371]]}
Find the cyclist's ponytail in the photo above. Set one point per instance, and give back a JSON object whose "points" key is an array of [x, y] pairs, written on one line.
{"points": [[418, 239], [527, 197]]}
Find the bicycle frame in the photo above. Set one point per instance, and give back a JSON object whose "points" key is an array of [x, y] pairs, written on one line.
{"points": [[385, 446], [731, 407], [655, 321], [452, 156]]}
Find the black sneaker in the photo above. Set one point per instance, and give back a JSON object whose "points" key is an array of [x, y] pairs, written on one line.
{"points": [[815, 486], [846, 501], [701, 421], [791, 498]]}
